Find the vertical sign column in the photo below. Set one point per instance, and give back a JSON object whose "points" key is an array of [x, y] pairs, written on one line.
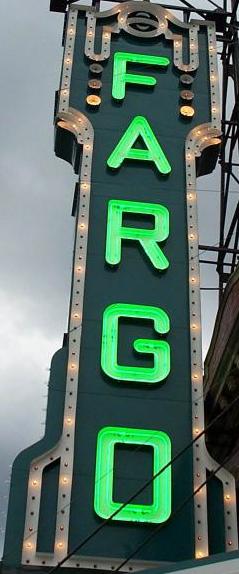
{"points": [[138, 102], [160, 510]]}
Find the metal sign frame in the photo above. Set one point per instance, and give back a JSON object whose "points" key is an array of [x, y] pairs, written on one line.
{"points": [[198, 140]]}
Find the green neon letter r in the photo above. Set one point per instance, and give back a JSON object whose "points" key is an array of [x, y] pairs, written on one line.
{"points": [[148, 238], [121, 77], [159, 349]]}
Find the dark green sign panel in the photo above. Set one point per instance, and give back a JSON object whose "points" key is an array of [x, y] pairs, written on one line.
{"points": [[138, 105]]}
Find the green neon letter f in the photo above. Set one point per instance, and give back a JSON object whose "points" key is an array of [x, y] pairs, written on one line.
{"points": [[121, 77]]}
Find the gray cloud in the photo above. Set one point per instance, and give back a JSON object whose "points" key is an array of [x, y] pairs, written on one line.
{"points": [[36, 231]]}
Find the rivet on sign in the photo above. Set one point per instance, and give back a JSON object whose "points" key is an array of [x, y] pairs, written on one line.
{"points": [[186, 79], [187, 95], [96, 68], [95, 84]]}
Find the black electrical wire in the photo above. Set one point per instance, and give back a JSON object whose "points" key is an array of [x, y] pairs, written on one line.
{"points": [[209, 288], [176, 511], [141, 489]]}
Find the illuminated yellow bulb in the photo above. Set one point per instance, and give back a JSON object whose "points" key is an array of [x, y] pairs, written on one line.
{"points": [[79, 269], [60, 545], [121, 19], [71, 31], [28, 545], [34, 483], [65, 92], [76, 315], [106, 35], [68, 61], [227, 497], [211, 48], [195, 377], [65, 480], [93, 100], [198, 133], [82, 225], [69, 421], [190, 196], [192, 236], [85, 185], [214, 110], [177, 44], [196, 431], [162, 25], [200, 555], [189, 156], [199, 492], [187, 111], [194, 326], [87, 146], [89, 33]]}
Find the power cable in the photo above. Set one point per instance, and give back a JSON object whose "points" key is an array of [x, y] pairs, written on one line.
{"points": [[75, 498], [151, 480], [198, 189], [209, 288], [141, 489], [177, 510]]}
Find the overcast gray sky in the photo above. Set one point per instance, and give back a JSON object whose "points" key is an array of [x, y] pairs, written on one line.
{"points": [[36, 230]]}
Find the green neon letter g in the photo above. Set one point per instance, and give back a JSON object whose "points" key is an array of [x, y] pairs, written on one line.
{"points": [[159, 349], [160, 509], [121, 77], [147, 238]]}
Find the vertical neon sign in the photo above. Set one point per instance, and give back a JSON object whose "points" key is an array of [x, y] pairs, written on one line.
{"points": [[132, 360], [139, 126]]}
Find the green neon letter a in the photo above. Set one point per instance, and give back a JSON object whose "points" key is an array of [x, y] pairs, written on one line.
{"points": [[148, 238], [121, 77], [160, 350], [125, 150]]}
